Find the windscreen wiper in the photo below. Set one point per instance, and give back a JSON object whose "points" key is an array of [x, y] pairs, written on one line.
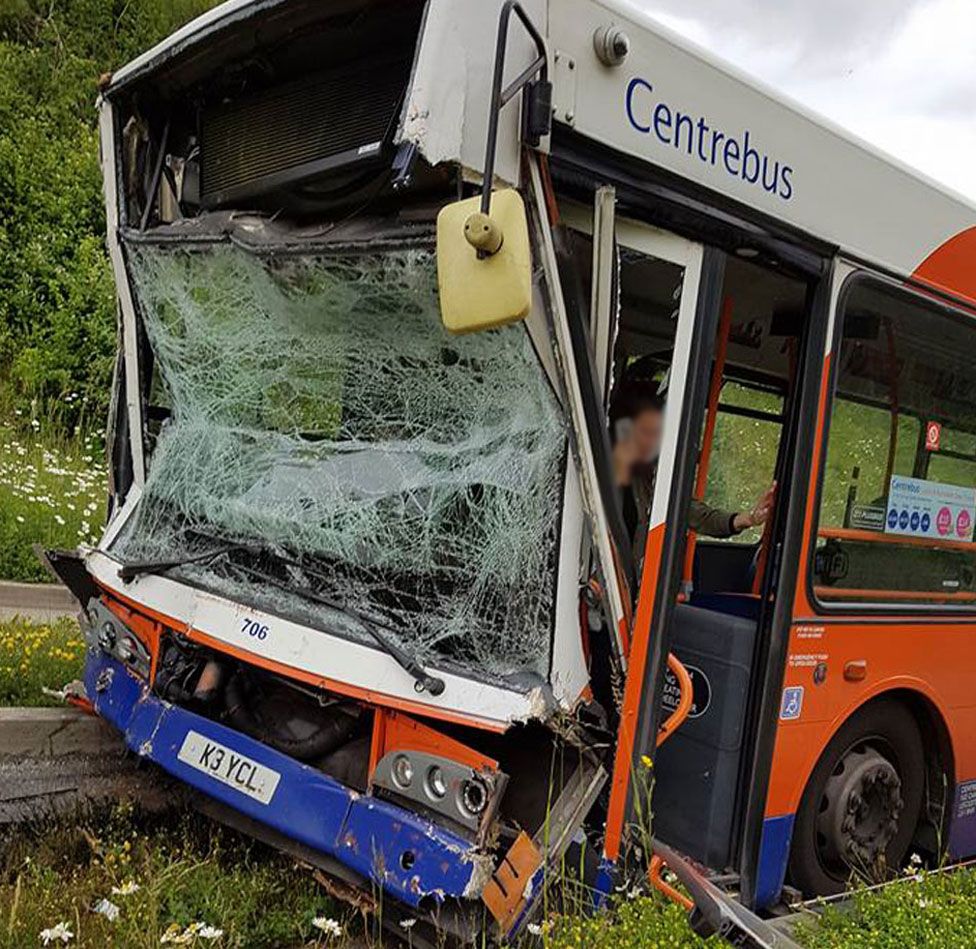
{"points": [[129, 571], [423, 680]]}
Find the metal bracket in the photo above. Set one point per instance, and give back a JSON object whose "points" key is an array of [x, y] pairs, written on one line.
{"points": [[537, 98], [717, 912]]}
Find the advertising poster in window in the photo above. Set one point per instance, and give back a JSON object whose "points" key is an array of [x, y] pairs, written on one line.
{"points": [[918, 508]]}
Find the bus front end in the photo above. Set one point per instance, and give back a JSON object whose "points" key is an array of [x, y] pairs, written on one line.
{"points": [[338, 591]]}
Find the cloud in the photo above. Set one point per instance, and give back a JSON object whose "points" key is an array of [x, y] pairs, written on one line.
{"points": [[898, 73], [822, 35]]}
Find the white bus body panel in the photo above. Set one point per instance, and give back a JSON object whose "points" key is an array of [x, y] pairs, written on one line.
{"points": [[841, 190]]}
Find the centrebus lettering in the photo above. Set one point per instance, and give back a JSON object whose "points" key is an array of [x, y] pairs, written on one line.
{"points": [[737, 155]]}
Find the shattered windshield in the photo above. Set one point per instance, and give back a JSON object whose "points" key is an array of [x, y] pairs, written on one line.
{"points": [[319, 408]]}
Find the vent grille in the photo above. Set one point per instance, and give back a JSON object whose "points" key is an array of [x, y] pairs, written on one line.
{"points": [[298, 130]]}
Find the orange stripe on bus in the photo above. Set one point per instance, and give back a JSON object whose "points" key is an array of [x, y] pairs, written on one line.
{"points": [[907, 540], [801, 602], [950, 267], [857, 593]]}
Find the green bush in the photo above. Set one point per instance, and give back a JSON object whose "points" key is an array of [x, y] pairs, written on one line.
{"points": [[57, 324]]}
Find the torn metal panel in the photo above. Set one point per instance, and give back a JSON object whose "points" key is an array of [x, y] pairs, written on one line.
{"points": [[446, 113], [408, 855], [127, 316]]}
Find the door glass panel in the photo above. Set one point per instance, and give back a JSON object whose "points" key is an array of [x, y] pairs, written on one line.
{"points": [[649, 305]]}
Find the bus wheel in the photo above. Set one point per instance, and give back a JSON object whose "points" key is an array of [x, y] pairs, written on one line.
{"points": [[862, 803]]}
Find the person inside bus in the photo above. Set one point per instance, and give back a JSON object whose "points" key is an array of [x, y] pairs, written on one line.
{"points": [[637, 420]]}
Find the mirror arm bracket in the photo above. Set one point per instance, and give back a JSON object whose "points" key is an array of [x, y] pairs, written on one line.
{"points": [[537, 98]]}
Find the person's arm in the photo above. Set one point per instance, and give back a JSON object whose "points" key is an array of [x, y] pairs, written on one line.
{"points": [[759, 514], [709, 521], [713, 522]]}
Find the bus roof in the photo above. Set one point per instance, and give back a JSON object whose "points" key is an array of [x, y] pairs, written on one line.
{"points": [[672, 105]]}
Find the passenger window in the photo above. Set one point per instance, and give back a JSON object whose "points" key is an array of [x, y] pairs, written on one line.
{"points": [[898, 501]]}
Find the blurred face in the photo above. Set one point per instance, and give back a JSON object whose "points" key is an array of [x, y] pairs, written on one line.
{"points": [[646, 431]]}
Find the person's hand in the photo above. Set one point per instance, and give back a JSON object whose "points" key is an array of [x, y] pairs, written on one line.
{"points": [[624, 458], [760, 511]]}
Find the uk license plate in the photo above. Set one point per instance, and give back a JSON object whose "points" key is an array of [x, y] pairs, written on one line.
{"points": [[229, 767]]}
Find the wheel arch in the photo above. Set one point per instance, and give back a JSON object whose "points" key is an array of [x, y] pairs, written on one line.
{"points": [[939, 752], [940, 765]]}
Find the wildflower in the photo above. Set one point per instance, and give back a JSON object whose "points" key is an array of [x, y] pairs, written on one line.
{"points": [[923, 903], [107, 909], [646, 761], [59, 933], [126, 889], [407, 923], [175, 936], [327, 925], [59, 519], [20, 518], [915, 860]]}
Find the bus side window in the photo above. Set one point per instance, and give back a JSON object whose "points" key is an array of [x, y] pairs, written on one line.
{"points": [[898, 498]]}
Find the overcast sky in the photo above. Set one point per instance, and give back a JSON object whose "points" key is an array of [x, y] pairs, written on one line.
{"points": [[899, 73]]}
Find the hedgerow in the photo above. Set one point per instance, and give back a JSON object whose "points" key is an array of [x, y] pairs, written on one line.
{"points": [[57, 323]]}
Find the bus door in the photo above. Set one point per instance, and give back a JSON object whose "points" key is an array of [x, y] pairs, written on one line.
{"points": [[733, 356], [664, 300]]}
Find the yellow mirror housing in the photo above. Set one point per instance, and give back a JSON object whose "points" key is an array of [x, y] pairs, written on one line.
{"points": [[495, 288]]}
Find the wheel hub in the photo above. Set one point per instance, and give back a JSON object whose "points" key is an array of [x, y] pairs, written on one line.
{"points": [[859, 811]]}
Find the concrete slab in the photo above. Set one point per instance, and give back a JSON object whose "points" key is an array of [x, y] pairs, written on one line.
{"points": [[54, 733], [37, 602]]}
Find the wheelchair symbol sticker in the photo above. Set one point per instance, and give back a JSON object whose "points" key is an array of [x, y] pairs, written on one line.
{"points": [[792, 703]]}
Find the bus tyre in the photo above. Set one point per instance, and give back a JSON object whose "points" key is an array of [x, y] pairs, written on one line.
{"points": [[862, 803]]}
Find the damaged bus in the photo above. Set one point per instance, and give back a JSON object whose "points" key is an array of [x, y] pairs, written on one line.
{"points": [[368, 583]]}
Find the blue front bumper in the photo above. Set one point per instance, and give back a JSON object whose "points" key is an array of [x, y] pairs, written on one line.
{"points": [[409, 856]]}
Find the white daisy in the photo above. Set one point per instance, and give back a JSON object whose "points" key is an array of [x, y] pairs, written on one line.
{"points": [[59, 933]]}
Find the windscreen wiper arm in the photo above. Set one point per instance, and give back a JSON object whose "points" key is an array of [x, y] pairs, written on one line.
{"points": [[423, 680], [129, 571]]}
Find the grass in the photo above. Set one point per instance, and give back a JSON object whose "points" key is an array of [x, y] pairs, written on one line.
{"points": [[52, 492], [925, 910], [173, 885], [638, 923], [922, 911], [192, 872], [35, 656]]}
